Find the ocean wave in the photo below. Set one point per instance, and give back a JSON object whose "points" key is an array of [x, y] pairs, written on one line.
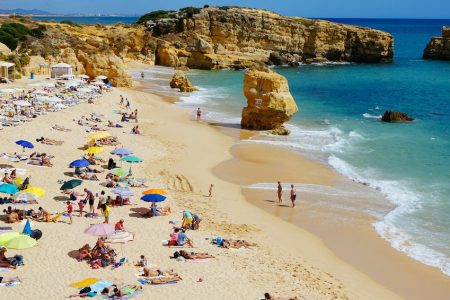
{"points": [[369, 116]]}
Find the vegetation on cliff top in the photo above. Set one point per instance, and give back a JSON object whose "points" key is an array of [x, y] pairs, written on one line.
{"points": [[11, 33], [161, 14]]}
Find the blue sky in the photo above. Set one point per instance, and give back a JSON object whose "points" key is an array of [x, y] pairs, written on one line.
{"points": [[306, 8]]}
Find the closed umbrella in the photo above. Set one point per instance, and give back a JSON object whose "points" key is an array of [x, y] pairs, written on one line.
{"points": [[27, 228], [95, 150], [20, 242], [153, 198], [68, 185], [38, 191], [100, 230], [121, 151], [8, 189], [79, 163], [154, 191]]}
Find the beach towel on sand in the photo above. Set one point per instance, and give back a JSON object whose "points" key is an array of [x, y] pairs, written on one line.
{"points": [[99, 286], [83, 283]]}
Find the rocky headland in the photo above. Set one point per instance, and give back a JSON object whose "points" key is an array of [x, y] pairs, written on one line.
{"points": [[234, 37], [439, 47]]}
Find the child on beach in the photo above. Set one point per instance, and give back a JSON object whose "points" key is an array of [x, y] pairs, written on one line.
{"points": [[199, 114], [142, 262], [210, 190], [81, 204], [69, 211]]}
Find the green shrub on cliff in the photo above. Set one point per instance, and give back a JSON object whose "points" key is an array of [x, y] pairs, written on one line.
{"points": [[11, 33], [38, 32], [153, 16], [191, 11]]}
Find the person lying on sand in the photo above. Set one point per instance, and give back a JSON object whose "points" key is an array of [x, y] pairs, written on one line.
{"points": [[156, 211], [60, 128], [4, 261], [267, 296], [195, 255], [236, 244], [111, 124], [94, 170], [84, 252], [9, 280], [86, 176], [155, 272], [48, 141]]}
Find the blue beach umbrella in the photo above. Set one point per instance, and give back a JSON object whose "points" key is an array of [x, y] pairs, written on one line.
{"points": [[25, 144], [8, 189], [79, 163], [153, 198], [121, 151], [27, 228]]}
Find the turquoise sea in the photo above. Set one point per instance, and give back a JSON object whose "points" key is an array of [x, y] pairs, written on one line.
{"points": [[338, 124]]}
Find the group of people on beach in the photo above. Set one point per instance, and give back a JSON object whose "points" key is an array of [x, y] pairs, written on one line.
{"points": [[292, 195]]}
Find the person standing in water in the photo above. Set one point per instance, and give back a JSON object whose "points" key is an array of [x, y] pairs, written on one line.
{"points": [[279, 192], [142, 75], [199, 114], [293, 195]]}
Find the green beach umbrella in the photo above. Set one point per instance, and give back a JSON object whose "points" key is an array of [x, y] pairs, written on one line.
{"points": [[7, 236], [68, 185], [119, 172], [22, 241], [132, 159]]}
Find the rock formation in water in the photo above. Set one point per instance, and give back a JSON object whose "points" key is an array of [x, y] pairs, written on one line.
{"points": [[233, 37], [395, 117], [181, 82], [269, 102], [439, 47]]}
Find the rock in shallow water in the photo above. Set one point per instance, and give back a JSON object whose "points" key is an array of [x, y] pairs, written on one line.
{"points": [[395, 116], [181, 82]]}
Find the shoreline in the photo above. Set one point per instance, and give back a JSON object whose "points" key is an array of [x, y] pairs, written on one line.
{"points": [[375, 257]]}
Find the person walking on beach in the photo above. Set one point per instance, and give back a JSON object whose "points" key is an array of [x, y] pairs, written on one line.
{"points": [[91, 199], [127, 105], [199, 114], [293, 195], [142, 75], [210, 190], [136, 115], [69, 211], [279, 193], [121, 100]]}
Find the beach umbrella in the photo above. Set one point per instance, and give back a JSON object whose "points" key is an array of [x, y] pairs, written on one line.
{"points": [[53, 99], [120, 237], [7, 236], [38, 191], [101, 77], [22, 103], [154, 191], [84, 90], [123, 192], [27, 228], [84, 76], [99, 135], [119, 172], [8, 189], [121, 151], [98, 83], [95, 150], [68, 185], [100, 229], [20, 242], [79, 163], [153, 198], [25, 144], [132, 159], [24, 196]]}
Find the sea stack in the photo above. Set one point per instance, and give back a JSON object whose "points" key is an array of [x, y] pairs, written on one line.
{"points": [[439, 47], [269, 101], [395, 117], [181, 82]]}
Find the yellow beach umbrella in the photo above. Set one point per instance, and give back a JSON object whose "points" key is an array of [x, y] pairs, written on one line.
{"points": [[95, 150], [38, 191], [154, 191], [18, 181], [99, 135]]}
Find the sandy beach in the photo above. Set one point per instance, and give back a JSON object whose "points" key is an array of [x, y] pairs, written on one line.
{"points": [[185, 157]]}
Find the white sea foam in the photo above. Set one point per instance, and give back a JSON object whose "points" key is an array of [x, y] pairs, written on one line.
{"points": [[369, 116]]}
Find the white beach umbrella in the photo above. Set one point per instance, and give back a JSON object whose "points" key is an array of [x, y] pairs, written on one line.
{"points": [[84, 76], [84, 90], [22, 103], [48, 84], [101, 77], [54, 99], [97, 83], [8, 91], [73, 83]]}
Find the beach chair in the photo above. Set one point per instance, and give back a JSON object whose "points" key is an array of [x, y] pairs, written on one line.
{"points": [[55, 218]]}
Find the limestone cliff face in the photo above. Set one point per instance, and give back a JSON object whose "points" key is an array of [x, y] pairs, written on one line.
{"points": [[181, 82], [269, 102], [439, 47], [231, 37]]}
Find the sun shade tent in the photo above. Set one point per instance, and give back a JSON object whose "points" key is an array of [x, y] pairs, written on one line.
{"points": [[62, 69], [7, 69]]}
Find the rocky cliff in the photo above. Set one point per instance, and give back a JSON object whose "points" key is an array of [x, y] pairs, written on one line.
{"points": [[439, 47], [231, 37], [269, 102], [181, 82]]}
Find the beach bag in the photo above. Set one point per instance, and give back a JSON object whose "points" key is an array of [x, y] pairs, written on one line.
{"points": [[36, 234], [85, 290], [17, 260]]}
